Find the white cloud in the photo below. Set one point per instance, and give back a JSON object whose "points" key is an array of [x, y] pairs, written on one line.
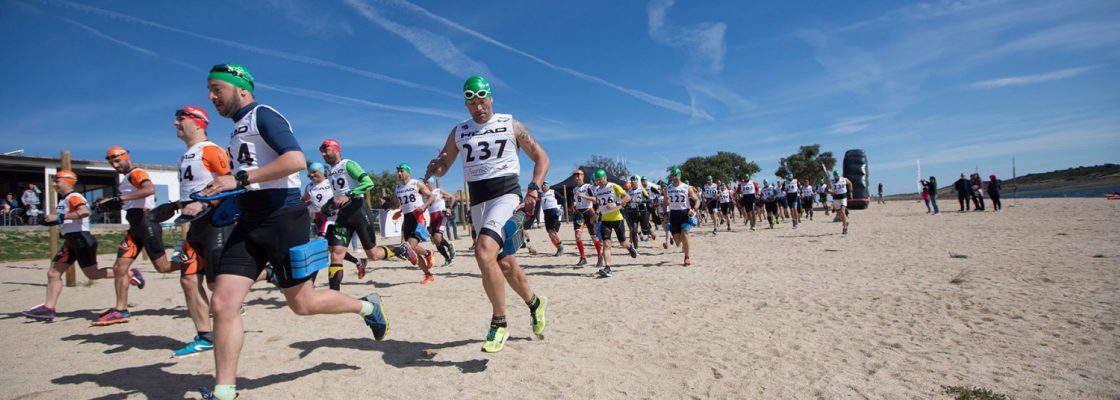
{"points": [[855, 124], [434, 47], [640, 95], [1032, 79], [306, 17]]}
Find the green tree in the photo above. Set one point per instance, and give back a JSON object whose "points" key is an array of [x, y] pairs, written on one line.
{"points": [[614, 167], [384, 183], [806, 163], [724, 165]]}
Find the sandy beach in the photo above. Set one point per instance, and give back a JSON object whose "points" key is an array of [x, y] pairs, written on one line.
{"points": [[771, 314]]}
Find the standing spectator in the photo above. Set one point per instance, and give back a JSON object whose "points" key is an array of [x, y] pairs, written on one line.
{"points": [[880, 193], [994, 186], [925, 195], [31, 202], [452, 222], [962, 187], [7, 204], [931, 188], [977, 191]]}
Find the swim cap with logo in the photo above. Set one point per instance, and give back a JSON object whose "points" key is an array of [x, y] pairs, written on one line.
{"points": [[66, 175], [404, 167], [234, 74], [116, 152], [675, 171], [317, 166], [599, 173], [477, 86]]}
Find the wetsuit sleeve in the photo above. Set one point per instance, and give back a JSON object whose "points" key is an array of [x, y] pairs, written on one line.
{"points": [[276, 131], [355, 171]]}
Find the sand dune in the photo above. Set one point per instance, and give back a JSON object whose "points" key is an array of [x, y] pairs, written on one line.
{"points": [[789, 314]]}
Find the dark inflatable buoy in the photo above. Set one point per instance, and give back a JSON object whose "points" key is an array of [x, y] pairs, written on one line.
{"points": [[855, 169]]}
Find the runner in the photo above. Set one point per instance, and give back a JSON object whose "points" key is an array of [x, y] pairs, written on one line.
{"points": [[770, 200], [807, 200], [639, 196], [792, 197], [682, 214], [725, 206], [316, 195], [412, 205], [551, 209], [72, 214], [611, 199], [352, 217], [583, 215], [839, 189], [822, 190], [136, 195], [273, 221], [659, 208], [748, 191], [488, 143], [441, 203], [711, 203], [202, 248], [647, 209]]}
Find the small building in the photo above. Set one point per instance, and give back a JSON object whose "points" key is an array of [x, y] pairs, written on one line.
{"points": [[96, 179]]}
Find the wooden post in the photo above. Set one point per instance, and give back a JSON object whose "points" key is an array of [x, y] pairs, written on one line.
{"points": [[71, 276]]}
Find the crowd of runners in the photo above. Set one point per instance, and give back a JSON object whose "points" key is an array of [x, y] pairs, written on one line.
{"points": [[247, 209]]}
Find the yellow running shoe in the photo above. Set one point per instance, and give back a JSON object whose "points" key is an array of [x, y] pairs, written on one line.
{"points": [[495, 339], [537, 317]]}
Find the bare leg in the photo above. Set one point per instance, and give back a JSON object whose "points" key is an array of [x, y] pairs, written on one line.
{"points": [[303, 299], [515, 276], [54, 283], [120, 281], [198, 306], [493, 281], [229, 334], [163, 266]]}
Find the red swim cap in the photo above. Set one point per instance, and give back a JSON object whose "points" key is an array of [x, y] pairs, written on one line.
{"points": [[331, 143]]}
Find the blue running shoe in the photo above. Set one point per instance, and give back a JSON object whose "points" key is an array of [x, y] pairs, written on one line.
{"points": [[199, 345], [208, 395], [377, 321]]}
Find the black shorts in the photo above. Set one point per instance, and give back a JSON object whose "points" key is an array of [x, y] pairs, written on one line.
{"points": [[772, 207], [824, 198], [807, 202], [204, 245], [656, 217], [142, 235], [618, 227], [354, 218], [584, 218], [78, 246], [781, 200], [268, 240], [677, 220], [747, 200], [792, 199], [840, 196], [725, 208], [712, 204], [552, 219], [408, 227]]}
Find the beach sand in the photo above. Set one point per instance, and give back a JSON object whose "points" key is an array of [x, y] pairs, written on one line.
{"points": [[774, 314]]}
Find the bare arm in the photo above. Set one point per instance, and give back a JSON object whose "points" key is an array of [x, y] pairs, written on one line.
{"points": [[427, 194], [529, 145], [146, 189], [439, 165]]}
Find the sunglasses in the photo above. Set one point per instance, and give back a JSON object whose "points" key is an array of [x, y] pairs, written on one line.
{"points": [[230, 70], [471, 95], [115, 156], [183, 113]]}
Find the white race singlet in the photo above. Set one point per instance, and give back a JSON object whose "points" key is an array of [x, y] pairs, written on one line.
{"points": [[710, 191], [129, 184], [319, 193], [791, 186], [584, 190], [840, 186], [548, 200], [488, 150], [68, 204], [248, 151], [678, 197], [193, 173], [409, 195], [438, 204], [746, 187]]}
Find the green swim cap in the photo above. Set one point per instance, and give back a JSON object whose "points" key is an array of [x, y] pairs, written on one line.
{"points": [[234, 74], [599, 173], [709, 177], [675, 171], [477, 86], [404, 167], [634, 177], [835, 173]]}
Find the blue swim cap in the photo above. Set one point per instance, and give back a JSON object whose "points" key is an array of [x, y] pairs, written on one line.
{"points": [[317, 166]]}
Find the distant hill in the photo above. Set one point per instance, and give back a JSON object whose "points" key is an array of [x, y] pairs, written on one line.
{"points": [[1093, 181]]}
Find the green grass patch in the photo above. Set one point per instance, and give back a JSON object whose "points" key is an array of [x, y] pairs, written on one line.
{"points": [[36, 245], [972, 393]]}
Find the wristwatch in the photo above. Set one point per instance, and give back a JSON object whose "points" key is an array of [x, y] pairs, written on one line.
{"points": [[242, 178], [533, 186]]}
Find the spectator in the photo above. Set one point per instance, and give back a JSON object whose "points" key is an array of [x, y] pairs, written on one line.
{"points": [[452, 221], [963, 188], [881, 193], [7, 204], [931, 187], [994, 186], [976, 187], [925, 195], [30, 197]]}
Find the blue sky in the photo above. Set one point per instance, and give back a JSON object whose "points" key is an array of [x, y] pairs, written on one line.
{"points": [[958, 85]]}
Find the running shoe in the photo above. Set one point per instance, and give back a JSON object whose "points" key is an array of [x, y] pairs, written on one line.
{"points": [[430, 258], [582, 262], [605, 272], [559, 250], [633, 251], [495, 339], [136, 278], [207, 395], [112, 317], [199, 345], [450, 252], [362, 262], [428, 279], [537, 318], [404, 252], [39, 312], [845, 230], [377, 321]]}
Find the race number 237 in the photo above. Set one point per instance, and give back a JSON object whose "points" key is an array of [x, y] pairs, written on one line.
{"points": [[484, 151]]}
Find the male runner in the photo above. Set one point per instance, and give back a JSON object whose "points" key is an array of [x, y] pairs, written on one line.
{"points": [[807, 199], [647, 209], [839, 189], [442, 201], [725, 205], [770, 200], [639, 198], [136, 195], [72, 214], [584, 216], [822, 190], [488, 143], [266, 160], [611, 199], [551, 210], [792, 197], [202, 248], [413, 200], [352, 216], [681, 198], [316, 195], [748, 190], [711, 204]]}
